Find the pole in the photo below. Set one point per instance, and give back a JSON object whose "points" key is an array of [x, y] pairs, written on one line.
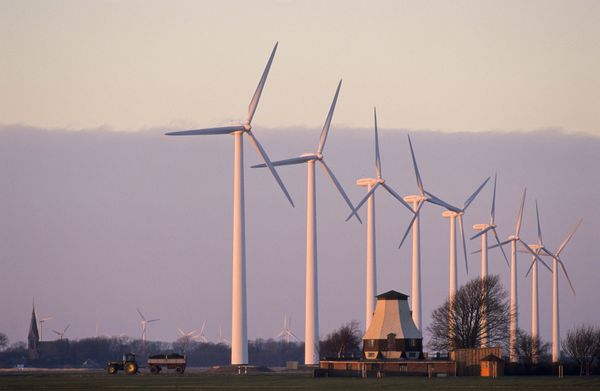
{"points": [[311, 354]]}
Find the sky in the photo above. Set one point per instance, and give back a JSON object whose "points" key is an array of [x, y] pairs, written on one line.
{"points": [[439, 65], [102, 214]]}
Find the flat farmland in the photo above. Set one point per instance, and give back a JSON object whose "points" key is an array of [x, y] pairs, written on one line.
{"points": [[88, 380]]}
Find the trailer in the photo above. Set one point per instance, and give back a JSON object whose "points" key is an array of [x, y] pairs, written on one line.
{"points": [[170, 361]]}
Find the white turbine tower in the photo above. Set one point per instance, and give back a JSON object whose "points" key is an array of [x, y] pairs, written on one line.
{"points": [[311, 340], [514, 304], [144, 322], [372, 184], [483, 230], [417, 202], [239, 331], [286, 332], [555, 314], [61, 334]]}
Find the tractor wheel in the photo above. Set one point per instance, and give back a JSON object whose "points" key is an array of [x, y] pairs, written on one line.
{"points": [[112, 370], [180, 370], [131, 368], [154, 370]]}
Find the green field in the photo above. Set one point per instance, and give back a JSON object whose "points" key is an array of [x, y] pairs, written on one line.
{"points": [[278, 381]]}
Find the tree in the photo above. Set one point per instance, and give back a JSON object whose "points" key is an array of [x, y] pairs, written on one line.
{"points": [[471, 302], [583, 345], [3, 341], [525, 349], [342, 342]]}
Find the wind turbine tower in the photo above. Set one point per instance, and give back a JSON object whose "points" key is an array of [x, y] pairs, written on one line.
{"points": [[239, 329]]}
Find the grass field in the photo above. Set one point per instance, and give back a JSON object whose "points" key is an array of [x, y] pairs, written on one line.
{"points": [[278, 381]]}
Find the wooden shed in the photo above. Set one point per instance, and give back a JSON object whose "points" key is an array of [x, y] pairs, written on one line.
{"points": [[491, 366]]}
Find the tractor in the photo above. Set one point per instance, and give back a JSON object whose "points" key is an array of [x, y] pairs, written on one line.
{"points": [[128, 364]]}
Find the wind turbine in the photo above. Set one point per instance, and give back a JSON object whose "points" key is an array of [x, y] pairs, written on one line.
{"points": [[514, 305], [535, 313], [311, 340], [417, 202], [286, 332], [61, 334], [42, 321], [188, 334], [144, 324], [239, 330], [372, 184], [222, 339], [483, 230], [555, 315], [200, 336], [452, 215]]}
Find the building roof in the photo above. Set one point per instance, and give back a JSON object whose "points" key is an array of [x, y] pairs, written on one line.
{"points": [[392, 315], [392, 295], [491, 357]]}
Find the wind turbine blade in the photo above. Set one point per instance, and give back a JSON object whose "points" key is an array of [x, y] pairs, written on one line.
{"points": [[140, 312], [287, 162], [339, 187], [153, 320], [202, 329], [181, 332], [475, 193], [294, 335], [265, 157], [550, 254], [569, 236], [478, 234], [417, 174], [397, 196], [362, 202], [501, 248], [66, 328], [327, 123], [261, 84], [493, 211], [436, 200], [416, 213], [56, 332], [208, 131], [520, 215], [539, 228], [564, 269], [498, 245], [462, 236], [377, 156]]}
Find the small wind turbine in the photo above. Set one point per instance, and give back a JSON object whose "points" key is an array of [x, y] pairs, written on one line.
{"points": [[372, 184], [514, 305], [42, 321], [555, 315], [286, 332], [417, 202], [222, 338], [188, 334], [200, 336], [61, 334], [311, 339], [145, 324], [239, 329]]}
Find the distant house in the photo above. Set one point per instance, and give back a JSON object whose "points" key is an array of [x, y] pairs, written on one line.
{"points": [[392, 333]]}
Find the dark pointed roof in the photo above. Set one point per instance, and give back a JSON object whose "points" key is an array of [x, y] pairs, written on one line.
{"points": [[33, 329], [392, 295]]}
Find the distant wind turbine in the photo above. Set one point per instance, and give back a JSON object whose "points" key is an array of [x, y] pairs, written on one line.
{"points": [[145, 324], [286, 332], [222, 338], [372, 185], [200, 336], [311, 340], [61, 334], [239, 330], [42, 321]]}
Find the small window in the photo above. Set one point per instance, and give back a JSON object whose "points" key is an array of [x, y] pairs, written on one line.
{"points": [[412, 343]]}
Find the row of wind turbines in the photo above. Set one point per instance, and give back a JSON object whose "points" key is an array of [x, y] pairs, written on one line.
{"points": [[413, 203]]}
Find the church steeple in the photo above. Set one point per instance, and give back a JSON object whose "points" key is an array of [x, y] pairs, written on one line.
{"points": [[33, 338]]}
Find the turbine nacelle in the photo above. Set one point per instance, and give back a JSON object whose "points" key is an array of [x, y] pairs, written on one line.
{"points": [[365, 182]]}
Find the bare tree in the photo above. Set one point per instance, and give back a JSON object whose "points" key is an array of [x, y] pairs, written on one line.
{"points": [[3, 341], [343, 341], [474, 300], [529, 348], [583, 345]]}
